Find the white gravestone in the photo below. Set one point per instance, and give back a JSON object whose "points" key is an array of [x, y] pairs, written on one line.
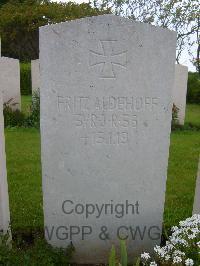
{"points": [[35, 75], [4, 203], [105, 128], [10, 82], [180, 91], [196, 207]]}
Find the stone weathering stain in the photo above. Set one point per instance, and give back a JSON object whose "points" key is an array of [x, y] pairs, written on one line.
{"points": [[106, 86]]}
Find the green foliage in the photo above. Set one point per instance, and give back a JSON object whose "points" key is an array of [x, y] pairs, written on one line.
{"points": [[123, 255], [16, 118], [193, 90], [192, 119], [12, 118], [181, 177], [3, 2], [138, 262], [33, 119], [112, 257], [178, 15], [175, 111], [19, 24], [25, 75], [24, 177], [26, 104], [123, 251], [193, 115]]}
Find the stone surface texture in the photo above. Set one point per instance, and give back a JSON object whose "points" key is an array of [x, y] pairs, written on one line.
{"points": [[4, 202], [10, 81], [196, 207], [180, 91], [105, 126], [35, 74]]}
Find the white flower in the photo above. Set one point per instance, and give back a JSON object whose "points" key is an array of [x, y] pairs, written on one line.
{"points": [[169, 246], [174, 228], [160, 251], [153, 263], [178, 240], [184, 236], [189, 262], [145, 256], [178, 253], [167, 257], [195, 230], [156, 248], [182, 223], [191, 236], [177, 259]]}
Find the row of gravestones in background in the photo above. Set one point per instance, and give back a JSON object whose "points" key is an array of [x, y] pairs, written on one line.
{"points": [[97, 154], [11, 84]]}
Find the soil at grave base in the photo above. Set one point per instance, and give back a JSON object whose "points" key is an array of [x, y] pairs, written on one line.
{"points": [[74, 264], [28, 238], [24, 238]]}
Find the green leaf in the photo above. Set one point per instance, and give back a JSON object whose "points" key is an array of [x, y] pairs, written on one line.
{"points": [[123, 253], [112, 257]]}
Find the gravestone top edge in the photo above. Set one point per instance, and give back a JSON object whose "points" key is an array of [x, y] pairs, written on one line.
{"points": [[103, 17], [8, 58], [180, 65]]}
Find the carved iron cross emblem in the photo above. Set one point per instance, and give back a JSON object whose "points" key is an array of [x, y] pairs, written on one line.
{"points": [[108, 59]]}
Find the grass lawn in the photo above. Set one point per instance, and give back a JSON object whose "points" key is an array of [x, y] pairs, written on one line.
{"points": [[24, 174], [193, 114], [182, 171], [26, 102], [25, 189], [24, 177]]}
